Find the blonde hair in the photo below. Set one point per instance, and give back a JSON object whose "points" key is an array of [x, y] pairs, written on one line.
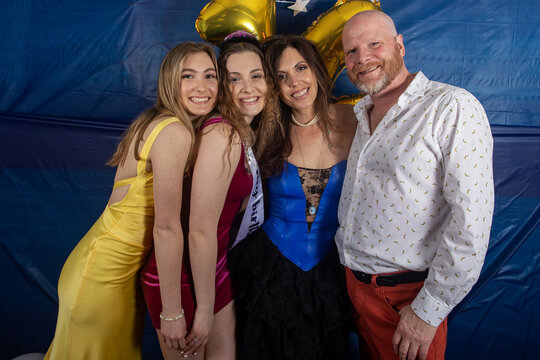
{"points": [[167, 102]]}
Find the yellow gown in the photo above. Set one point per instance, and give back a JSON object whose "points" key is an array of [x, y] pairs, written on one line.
{"points": [[101, 308]]}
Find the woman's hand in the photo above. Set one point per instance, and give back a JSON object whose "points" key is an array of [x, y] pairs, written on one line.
{"points": [[200, 332], [174, 333]]}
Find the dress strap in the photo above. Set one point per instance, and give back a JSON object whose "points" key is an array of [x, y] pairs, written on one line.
{"points": [[123, 182], [214, 120], [141, 164]]}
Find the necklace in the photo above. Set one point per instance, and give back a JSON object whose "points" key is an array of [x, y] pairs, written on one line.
{"points": [[312, 210], [309, 123]]}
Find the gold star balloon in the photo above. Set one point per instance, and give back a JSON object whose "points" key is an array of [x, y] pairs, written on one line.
{"points": [[327, 29], [221, 17], [349, 99]]}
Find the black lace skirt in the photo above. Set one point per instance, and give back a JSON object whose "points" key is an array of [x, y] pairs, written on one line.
{"points": [[284, 312]]}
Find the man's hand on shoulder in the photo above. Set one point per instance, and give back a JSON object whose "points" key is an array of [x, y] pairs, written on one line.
{"points": [[413, 335]]}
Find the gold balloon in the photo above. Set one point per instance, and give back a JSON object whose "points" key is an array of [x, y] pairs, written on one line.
{"points": [[349, 99], [326, 32], [221, 17]]}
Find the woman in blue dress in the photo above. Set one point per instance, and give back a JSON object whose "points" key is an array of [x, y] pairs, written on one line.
{"points": [[288, 284]]}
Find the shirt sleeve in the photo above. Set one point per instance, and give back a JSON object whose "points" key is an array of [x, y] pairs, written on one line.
{"points": [[466, 144]]}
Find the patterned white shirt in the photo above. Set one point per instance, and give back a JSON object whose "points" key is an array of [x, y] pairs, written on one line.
{"points": [[418, 193]]}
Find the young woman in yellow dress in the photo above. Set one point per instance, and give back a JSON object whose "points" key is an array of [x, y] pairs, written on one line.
{"points": [[101, 308], [224, 175]]}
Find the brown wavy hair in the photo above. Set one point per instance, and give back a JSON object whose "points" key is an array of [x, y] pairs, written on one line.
{"points": [[273, 49], [167, 102], [266, 124]]}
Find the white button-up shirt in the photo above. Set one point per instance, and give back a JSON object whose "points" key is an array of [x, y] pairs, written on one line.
{"points": [[418, 193]]}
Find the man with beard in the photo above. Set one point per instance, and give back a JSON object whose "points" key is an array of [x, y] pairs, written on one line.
{"points": [[416, 206]]}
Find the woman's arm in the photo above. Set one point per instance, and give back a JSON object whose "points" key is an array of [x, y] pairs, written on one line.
{"points": [[212, 176], [168, 157]]}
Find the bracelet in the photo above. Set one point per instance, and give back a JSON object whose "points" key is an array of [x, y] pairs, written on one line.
{"points": [[178, 317]]}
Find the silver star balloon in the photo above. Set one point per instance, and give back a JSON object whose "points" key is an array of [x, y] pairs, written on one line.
{"points": [[299, 6]]}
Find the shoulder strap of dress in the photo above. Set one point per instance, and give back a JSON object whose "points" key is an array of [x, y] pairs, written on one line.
{"points": [[141, 164], [214, 120]]}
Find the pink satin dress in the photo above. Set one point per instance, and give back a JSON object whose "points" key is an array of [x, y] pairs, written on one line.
{"points": [[239, 188]]}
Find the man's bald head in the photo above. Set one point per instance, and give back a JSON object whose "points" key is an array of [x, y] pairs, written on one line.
{"points": [[373, 52], [372, 15]]}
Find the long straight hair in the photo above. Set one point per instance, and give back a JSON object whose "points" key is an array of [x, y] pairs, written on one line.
{"points": [[273, 49], [167, 102]]}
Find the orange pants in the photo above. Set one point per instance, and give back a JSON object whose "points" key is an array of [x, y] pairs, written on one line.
{"points": [[376, 317]]}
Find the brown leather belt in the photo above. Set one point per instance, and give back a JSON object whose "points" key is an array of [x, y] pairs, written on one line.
{"points": [[392, 280]]}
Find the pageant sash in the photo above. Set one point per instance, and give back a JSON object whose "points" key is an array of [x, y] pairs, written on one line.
{"points": [[254, 214]]}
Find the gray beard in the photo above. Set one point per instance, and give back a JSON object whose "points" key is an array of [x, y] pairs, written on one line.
{"points": [[374, 88]]}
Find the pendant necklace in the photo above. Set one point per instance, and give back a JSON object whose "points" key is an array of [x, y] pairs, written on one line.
{"points": [[312, 210]]}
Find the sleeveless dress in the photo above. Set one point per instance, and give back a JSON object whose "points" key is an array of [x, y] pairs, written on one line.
{"points": [[288, 284], [239, 188], [101, 309]]}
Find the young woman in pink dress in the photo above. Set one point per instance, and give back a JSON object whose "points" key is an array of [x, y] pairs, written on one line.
{"points": [[223, 176]]}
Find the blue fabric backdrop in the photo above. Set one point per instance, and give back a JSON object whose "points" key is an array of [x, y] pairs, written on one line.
{"points": [[73, 74]]}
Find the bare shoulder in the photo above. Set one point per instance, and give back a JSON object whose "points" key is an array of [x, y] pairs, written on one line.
{"points": [[222, 127], [172, 138], [216, 154], [173, 128], [346, 122], [219, 130], [344, 116]]}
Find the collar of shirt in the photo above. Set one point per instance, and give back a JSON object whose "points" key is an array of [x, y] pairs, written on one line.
{"points": [[416, 88]]}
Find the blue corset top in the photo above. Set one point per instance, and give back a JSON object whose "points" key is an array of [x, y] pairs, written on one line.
{"points": [[286, 224]]}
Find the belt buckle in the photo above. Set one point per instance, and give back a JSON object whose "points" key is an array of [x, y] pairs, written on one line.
{"points": [[384, 281]]}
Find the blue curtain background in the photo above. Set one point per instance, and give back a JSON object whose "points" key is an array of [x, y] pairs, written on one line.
{"points": [[73, 74]]}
